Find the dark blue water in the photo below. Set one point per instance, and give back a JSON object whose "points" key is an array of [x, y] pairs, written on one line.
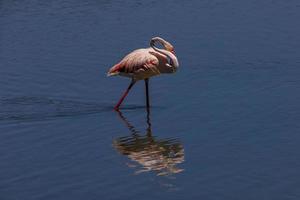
{"points": [[225, 126]]}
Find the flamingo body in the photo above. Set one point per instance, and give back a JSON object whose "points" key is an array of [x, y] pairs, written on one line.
{"points": [[141, 64]]}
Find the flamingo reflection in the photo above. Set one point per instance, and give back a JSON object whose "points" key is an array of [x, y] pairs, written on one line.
{"points": [[159, 155]]}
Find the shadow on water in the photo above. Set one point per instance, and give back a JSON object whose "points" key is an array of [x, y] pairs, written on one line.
{"points": [[158, 155]]}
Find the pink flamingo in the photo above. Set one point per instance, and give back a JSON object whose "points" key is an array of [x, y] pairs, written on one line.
{"points": [[142, 64]]}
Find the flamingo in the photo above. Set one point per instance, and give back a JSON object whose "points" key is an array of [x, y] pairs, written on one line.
{"points": [[141, 64]]}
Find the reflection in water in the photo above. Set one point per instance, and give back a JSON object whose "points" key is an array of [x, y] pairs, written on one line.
{"points": [[158, 155]]}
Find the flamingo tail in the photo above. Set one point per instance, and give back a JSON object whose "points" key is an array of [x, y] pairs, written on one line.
{"points": [[115, 70]]}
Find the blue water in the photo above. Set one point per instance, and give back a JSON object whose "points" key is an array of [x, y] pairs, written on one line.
{"points": [[225, 126]]}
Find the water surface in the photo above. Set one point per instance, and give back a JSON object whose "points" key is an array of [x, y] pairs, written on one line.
{"points": [[225, 126]]}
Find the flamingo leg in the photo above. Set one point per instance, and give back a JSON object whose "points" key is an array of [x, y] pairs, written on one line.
{"points": [[147, 93], [124, 95]]}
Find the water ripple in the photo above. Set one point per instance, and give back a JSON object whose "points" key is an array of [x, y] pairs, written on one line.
{"points": [[28, 108]]}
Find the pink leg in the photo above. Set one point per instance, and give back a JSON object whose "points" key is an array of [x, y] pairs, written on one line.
{"points": [[124, 95]]}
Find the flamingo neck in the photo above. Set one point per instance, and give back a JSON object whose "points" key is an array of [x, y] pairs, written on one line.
{"points": [[171, 57]]}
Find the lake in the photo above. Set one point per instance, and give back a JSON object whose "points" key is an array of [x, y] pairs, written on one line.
{"points": [[225, 126]]}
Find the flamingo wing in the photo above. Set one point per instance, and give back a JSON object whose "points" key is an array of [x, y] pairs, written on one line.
{"points": [[140, 64]]}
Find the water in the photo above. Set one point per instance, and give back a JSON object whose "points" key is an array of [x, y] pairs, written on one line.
{"points": [[225, 126]]}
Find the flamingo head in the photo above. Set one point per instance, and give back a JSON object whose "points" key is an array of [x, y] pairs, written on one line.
{"points": [[170, 48]]}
